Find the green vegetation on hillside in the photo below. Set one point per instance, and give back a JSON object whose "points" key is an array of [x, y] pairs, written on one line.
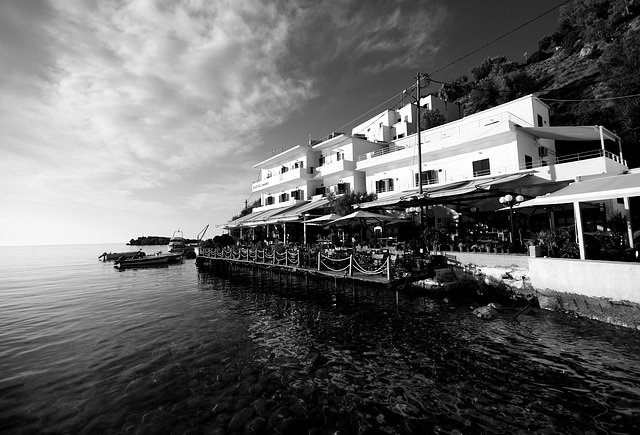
{"points": [[592, 59]]}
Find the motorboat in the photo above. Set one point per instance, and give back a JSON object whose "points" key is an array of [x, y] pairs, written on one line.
{"points": [[116, 255], [157, 259], [177, 243]]}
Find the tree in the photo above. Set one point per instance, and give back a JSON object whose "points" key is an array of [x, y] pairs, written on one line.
{"points": [[224, 240], [343, 204], [431, 118], [248, 209]]}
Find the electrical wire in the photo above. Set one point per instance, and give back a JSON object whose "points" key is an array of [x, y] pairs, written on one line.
{"points": [[411, 88], [622, 97], [500, 37]]}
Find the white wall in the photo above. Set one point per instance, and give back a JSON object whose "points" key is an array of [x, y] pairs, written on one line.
{"points": [[606, 279]]}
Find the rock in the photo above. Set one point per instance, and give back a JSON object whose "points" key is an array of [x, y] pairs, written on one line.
{"points": [[496, 306], [549, 302], [240, 419], [255, 426], [486, 313]]}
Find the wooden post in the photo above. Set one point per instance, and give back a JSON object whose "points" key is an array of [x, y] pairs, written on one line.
{"points": [[351, 265], [319, 261]]}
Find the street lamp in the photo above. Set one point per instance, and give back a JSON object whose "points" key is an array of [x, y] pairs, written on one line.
{"points": [[510, 201]]}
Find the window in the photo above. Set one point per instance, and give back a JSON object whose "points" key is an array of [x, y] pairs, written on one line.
{"points": [[540, 121], [296, 194], [320, 191], [481, 167], [385, 185], [321, 160], [528, 162], [344, 188], [428, 177], [340, 155], [284, 197], [269, 200]]}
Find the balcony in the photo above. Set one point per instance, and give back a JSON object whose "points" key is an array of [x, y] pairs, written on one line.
{"points": [[553, 168], [446, 135], [335, 167], [291, 176]]}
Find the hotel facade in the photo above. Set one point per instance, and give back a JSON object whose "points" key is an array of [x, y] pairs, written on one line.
{"points": [[467, 164]]}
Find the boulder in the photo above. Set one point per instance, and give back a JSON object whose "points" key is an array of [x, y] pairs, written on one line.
{"points": [[486, 313]]}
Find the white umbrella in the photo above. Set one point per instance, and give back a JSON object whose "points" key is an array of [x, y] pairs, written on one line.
{"points": [[322, 220], [362, 218]]}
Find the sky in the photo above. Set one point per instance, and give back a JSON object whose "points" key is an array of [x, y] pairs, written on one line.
{"points": [[121, 119]]}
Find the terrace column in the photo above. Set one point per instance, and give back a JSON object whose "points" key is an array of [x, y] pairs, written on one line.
{"points": [[578, 223], [627, 215]]}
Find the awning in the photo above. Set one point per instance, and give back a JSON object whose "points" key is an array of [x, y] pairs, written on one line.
{"points": [[265, 217], [571, 133], [596, 189], [295, 213], [389, 200], [478, 192], [236, 223]]}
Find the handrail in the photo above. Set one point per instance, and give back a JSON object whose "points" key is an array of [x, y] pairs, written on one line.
{"points": [[292, 257]]}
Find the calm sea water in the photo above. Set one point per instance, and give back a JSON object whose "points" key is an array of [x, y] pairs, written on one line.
{"points": [[86, 348]]}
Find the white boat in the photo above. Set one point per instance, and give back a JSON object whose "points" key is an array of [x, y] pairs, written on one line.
{"points": [[177, 243], [159, 259]]}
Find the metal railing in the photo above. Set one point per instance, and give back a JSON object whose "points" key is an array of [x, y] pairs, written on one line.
{"points": [[296, 258]]}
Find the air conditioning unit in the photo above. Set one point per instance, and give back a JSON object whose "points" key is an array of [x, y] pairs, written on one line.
{"points": [[543, 152]]}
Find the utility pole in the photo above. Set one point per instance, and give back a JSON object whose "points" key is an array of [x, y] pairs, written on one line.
{"points": [[419, 78]]}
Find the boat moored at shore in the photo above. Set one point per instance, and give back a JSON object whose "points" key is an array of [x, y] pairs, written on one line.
{"points": [[111, 256], [158, 259]]}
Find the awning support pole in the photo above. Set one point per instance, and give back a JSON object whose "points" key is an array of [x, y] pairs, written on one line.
{"points": [[578, 218], [627, 215]]}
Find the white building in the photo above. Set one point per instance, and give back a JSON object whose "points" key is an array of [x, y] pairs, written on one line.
{"points": [[512, 145]]}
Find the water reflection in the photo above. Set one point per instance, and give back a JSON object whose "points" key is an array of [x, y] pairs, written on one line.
{"points": [[425, 365], [177, 351]]}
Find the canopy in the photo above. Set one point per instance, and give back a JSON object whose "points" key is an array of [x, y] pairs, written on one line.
{"points": [[294, 214], [596, 189], [361, 217], [480, 192], [571, 133], [322, 220]]}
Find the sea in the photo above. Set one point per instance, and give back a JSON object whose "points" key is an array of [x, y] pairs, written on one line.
{"points": [[86, 348]]}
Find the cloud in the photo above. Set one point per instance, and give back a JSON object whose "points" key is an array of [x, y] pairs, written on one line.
{"points": [[119, 104]]}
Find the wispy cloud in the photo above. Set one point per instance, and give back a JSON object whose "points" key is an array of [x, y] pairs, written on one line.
{"points": [[142, 95]]}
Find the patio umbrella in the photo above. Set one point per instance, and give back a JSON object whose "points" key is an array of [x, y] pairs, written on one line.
{"points": [[362, 218], [322, 220]]}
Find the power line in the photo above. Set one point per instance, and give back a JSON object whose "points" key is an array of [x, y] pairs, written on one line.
{"points": [[411, 88], [500, 37], [591, 99]]}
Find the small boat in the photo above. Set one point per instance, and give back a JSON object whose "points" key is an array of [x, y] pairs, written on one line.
{"points": [[116, 255], [158, 259], [177, 243]]}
